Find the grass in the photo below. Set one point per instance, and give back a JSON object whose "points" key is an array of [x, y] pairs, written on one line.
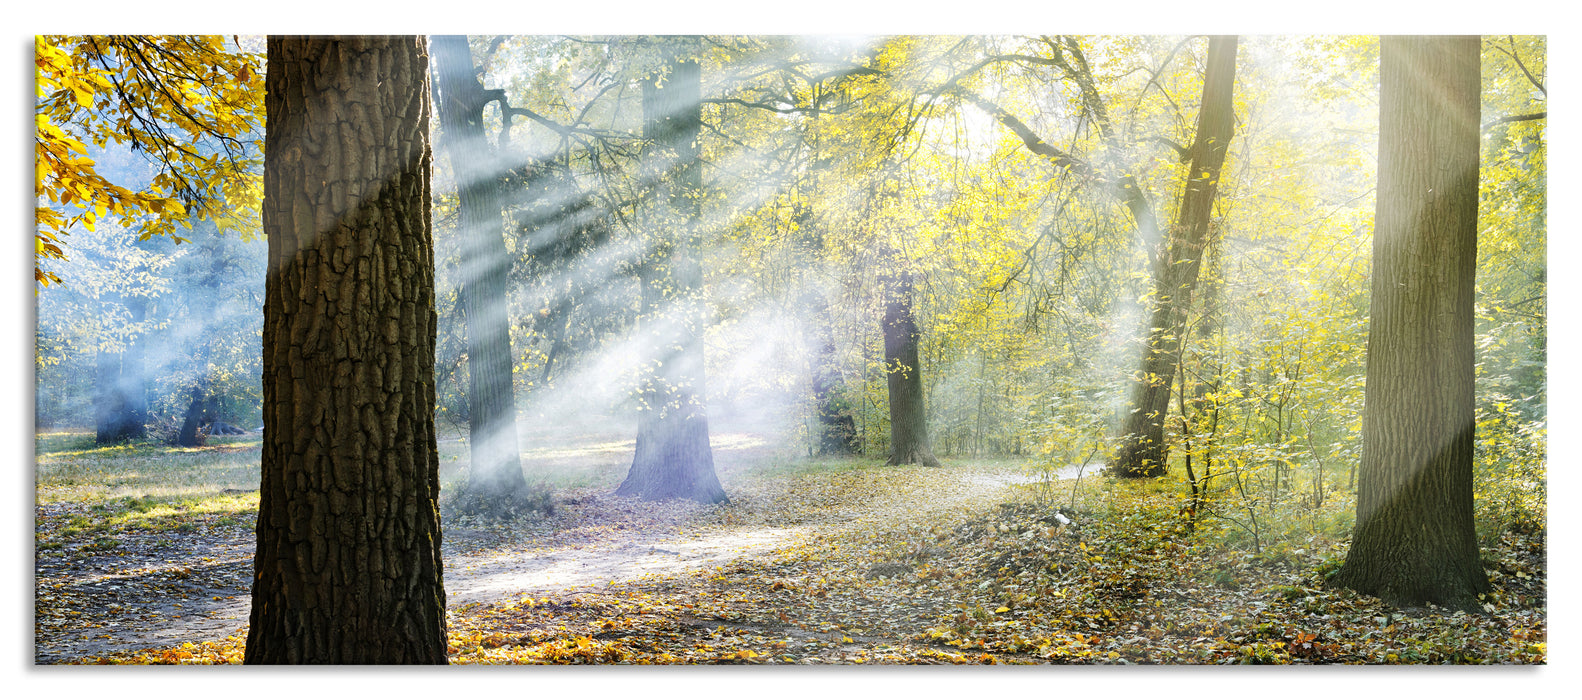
{"points": [[104, 494], [69, 468], [1132, 581]]}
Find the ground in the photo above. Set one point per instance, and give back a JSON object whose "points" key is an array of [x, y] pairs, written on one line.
{"points": [[812, 562]]}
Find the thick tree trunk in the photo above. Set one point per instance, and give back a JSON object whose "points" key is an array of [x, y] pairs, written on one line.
{"points": [[121, 401], [673, 458], [491, 403], [908, 417], [1142, 451], [347, 569], [1414, 540]]}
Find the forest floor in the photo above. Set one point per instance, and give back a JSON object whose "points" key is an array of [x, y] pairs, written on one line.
{"points": [[812, 562]]}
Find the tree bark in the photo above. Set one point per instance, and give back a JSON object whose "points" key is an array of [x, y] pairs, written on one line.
{"points": [[1415, 540], [673, 458], [491, 402], [347, 568], [1142, 451], [188, 435], [908, 418]]}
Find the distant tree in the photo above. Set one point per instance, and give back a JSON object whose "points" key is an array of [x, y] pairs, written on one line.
{"points": [[348, 568], [673, 458], [209, 345], [1142, 450], [120, 283], [1176, 255], [904, 374], [101, 334], [491, 404], [837, 428], [120, 410], [1414, 539]]}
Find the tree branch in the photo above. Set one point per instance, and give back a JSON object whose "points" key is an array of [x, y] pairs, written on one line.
{"points": [[1523, 66], [1515, 118], [1033, 142]]}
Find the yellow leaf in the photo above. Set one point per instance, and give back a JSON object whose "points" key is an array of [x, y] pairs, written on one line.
{"points": [[1002, 608]]}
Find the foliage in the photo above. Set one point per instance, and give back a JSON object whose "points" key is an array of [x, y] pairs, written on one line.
{"points": [[830, 162], [189, 104], [196, 325]]}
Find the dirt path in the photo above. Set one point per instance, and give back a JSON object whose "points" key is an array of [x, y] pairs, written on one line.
{"points": [[195, 588]]}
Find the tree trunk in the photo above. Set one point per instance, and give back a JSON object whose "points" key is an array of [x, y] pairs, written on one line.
{"points": [[1142, 451], [673, 458], [348, 569], [121, 403], [1414, 540], [908, 419], [491, 403], [837, 430], [189, 435]]}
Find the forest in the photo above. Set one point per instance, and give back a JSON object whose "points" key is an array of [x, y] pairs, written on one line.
{"points": [[790, 350]]}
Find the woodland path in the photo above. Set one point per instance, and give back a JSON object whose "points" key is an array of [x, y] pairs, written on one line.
{"points": [[158, 591]]}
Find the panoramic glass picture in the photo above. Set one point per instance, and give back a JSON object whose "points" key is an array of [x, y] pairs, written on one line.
{"points": [[790, 350]]}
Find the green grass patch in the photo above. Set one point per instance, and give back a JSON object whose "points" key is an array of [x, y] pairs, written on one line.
{"points": [[70, 468]]}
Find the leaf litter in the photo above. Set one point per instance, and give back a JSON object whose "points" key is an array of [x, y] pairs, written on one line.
{"points": [[864, 564]]}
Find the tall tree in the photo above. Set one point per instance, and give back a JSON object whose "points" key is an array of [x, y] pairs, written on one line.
{"points": [[673, 458], [1142, 452], [1176, 255], [904, 374], [1414, 540], [348, 567], [491, 404]]}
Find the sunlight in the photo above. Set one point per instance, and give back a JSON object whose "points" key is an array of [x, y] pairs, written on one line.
{"points": [[778, 349]]}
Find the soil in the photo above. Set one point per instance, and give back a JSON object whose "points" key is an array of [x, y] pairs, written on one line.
{"points": [[158, 590]]}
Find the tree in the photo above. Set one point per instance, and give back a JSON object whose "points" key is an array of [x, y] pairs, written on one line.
{"points": [[348, 565], [1414, 539], [121, 404], [673, 458], [837, 429], [491, 404], [1141, 452], [908, 424], [1176, 255], [187, 103]]}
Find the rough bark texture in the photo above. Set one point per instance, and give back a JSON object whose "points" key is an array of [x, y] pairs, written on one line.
{"points": [[1414, 540], [673, 458], [908, 417], [347, 569], [1141, 451], [491, 404], [120, 404]]}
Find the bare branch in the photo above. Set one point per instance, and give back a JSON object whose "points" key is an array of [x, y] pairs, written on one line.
{"points": [[1521, 65], [1033, 142], [1515, 118]]}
